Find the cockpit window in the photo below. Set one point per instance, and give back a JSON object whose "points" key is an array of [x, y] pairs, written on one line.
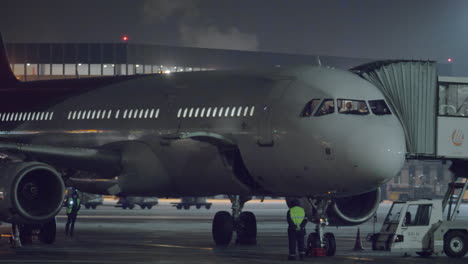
{"points": [[327, 107], [352, 107], [310, 107], [379, 107]]}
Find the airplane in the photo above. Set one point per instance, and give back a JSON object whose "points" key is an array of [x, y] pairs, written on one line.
{"points": [[323, 135]]}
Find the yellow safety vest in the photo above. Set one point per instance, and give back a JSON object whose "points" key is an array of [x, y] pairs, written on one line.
{"points": [[297, 215]]}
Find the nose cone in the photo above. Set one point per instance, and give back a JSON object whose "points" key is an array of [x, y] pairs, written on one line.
{"points": [[378, 152]]}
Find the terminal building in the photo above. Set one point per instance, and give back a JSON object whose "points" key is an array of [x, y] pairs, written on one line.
{"points": [[33, 61]]}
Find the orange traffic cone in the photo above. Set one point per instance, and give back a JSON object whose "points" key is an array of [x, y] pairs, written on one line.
{"points": [[358, 242]]}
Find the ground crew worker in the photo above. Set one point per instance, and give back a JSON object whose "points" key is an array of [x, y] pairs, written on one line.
{"points": [[73, 207], [296, 229]]}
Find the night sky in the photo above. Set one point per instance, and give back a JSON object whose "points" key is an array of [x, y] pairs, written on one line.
{"points": [[377, 29]]}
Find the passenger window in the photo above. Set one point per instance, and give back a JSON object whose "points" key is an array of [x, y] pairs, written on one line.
{"points": [[94, 114], [191, 112], [196, 112], [135, 114], [352, 107], [117, 114], [98, 114], [221, 111], [246, 109], [157, 113], [130, 113], [46, 117], [87, 117], [310, 107], [327, 107], [379, 107], [42, 116], [185, 112], [252, 110], [125, 114], [110, 113], [103, 114], [226, 114], [208, 112], [202, 114], [239, 111], [51, 115], [152, 112], [214, 111], [20, 117], [146, 113]]}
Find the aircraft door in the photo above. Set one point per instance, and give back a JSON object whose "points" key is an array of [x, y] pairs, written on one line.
{"points": [[267, 110]]}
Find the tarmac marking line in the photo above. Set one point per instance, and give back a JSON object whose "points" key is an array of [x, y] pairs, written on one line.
{"points": [[176, 246]]}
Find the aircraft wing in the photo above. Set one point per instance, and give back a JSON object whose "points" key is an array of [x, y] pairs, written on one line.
{"points": [[88, 159]]}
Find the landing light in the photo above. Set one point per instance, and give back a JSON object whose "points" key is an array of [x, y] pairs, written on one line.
{"points": [[449, 59]]}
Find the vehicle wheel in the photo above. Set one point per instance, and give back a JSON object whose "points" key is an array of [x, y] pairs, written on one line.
{"points": [[186, 207], [149, 207], [86, 206], [455, 244], [198, 206], [313, 241], [48, 232], [208, 207], [94, 206], [424, 254], [222, 228], [330, 244], [247, 229], [124, 207], [25, 234], [143, 207], [131, 207], [179, 207]]}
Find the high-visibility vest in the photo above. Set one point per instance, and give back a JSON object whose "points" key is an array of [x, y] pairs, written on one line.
{"points": [[73, 204], [297, 215]]}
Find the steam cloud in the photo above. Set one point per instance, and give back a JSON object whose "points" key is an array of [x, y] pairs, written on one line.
{"points": [[195, 30]]}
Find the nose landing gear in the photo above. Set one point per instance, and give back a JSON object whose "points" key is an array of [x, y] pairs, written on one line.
{"points": [[243, 223], [320, 243]]}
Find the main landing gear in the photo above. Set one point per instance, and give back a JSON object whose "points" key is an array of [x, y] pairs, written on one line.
{"points": [[22, 234], [243, 223], [320, 243]]}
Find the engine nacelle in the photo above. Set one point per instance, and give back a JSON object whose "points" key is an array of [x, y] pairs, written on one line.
{"points": [[30, 192], [354, 210]]}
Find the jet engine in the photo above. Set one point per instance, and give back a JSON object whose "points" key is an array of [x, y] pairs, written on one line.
{"points": [[353, 210], [30, 192]]}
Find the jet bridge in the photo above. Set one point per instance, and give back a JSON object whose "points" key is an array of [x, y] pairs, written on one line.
{"points": [[433, 109]]}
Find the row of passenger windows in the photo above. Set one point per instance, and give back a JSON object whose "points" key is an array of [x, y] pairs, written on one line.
{"points": [[345, 106], [216, 112], [108, 114], [26, 116]]}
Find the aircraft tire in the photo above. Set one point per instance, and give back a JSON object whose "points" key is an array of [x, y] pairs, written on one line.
{"points": [[48, 232], [455, 244], [313, 241], [247, 231], [149, 207], [94, 206], [25, 234], [222, 228], [330, 244], [143, 207]]}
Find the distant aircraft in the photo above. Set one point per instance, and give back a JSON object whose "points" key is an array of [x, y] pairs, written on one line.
{"points": [[321, 134]]}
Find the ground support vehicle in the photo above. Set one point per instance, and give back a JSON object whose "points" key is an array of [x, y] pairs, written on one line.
{"points": [[130, 202], [187, 202], [426, 227], [91, 200]]}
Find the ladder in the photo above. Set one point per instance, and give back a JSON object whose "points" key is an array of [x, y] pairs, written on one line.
{"points": [[458, 187]]}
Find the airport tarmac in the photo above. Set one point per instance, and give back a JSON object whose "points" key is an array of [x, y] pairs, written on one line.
{"points": [[167, 235]]}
